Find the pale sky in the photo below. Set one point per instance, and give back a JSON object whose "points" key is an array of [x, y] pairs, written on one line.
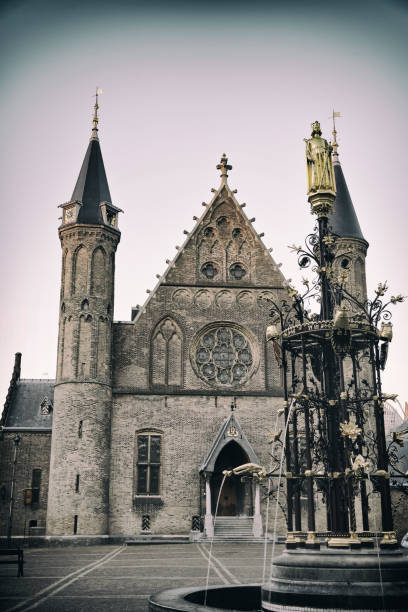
{"points": [[183, 83]]}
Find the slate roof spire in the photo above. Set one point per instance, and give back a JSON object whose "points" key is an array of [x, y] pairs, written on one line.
{"points": [[92, 186], [343, 220]]}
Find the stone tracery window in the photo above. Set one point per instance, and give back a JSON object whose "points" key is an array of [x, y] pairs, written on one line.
{"points": [[209, 270], [237, 271], [223, 354]]}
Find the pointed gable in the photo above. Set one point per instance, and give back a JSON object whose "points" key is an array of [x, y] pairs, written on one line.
{"points": [[223, 236], [214, 291], [222, 250], [230, 430]]}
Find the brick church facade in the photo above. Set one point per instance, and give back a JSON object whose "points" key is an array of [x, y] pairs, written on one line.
{"points": [[144, 415]]}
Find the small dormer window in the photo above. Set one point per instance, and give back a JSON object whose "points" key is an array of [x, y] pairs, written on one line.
{"points": [[46, 406], [110, 213], [69, 215], [111, 218], [70, 211]]}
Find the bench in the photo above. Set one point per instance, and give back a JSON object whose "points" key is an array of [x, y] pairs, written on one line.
{"points": [[13, 552]]}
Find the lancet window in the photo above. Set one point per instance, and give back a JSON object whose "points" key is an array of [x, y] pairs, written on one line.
{"points": [[167, 354]]}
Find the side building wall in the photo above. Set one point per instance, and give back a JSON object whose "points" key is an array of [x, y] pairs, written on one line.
{"points": [[33, 453]]}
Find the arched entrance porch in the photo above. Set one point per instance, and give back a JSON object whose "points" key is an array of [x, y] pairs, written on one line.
{"points": [[236, 496], [238, 500]]}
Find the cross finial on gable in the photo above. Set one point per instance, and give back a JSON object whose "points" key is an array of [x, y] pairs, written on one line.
{"points": [[224, 167]]}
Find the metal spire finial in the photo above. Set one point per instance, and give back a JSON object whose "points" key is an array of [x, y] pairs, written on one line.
{"points": [[95, 119], [224, 167], [335, 143]]}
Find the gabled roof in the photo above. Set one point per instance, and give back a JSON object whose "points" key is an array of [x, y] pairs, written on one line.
{"points": [[223, 192], [92, 186], [31, 405], [230, 431], [343, 220]]}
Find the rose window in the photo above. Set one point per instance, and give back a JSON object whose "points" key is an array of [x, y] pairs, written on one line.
{"points": [[223, 355]]}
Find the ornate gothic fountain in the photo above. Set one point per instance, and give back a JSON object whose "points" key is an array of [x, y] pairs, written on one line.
{"points": [[334, 445]]}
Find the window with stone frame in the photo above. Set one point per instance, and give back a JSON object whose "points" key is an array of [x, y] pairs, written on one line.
{"points": [[148, 463]]}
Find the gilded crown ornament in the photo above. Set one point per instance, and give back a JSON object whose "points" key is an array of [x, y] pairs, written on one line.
{"points": [[316, 128]]}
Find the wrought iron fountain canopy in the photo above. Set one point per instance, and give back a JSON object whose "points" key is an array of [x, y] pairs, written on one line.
{"points": [[334, 441], [331, 366]]}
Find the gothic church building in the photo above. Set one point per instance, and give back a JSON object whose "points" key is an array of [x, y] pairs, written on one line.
{"points": [[144, 415]]}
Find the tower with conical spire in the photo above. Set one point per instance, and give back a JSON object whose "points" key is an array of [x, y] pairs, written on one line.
{"points": [[79, 470], [344, 222]]}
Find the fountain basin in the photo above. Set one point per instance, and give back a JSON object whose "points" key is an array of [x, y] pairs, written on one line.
{"points": [[219, 598], [312, 580], [335, 579]]}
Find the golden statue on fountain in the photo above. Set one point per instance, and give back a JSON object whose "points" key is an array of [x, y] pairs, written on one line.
{"points": [[320, 172]]}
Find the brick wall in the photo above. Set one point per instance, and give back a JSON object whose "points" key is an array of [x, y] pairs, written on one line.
{"points": [[33, 453], [188, 425]]}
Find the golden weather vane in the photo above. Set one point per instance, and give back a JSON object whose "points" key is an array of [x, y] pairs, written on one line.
{"points": [[95, 119], [334, 132]]}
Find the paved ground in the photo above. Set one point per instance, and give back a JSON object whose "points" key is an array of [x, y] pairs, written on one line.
{"points": [[120, 578]]}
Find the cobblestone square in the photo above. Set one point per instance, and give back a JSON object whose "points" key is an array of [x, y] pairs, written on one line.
{"points": [[121, 578]]}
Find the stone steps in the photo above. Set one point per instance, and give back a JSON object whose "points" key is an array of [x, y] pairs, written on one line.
{"points": [[233, 528]]}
